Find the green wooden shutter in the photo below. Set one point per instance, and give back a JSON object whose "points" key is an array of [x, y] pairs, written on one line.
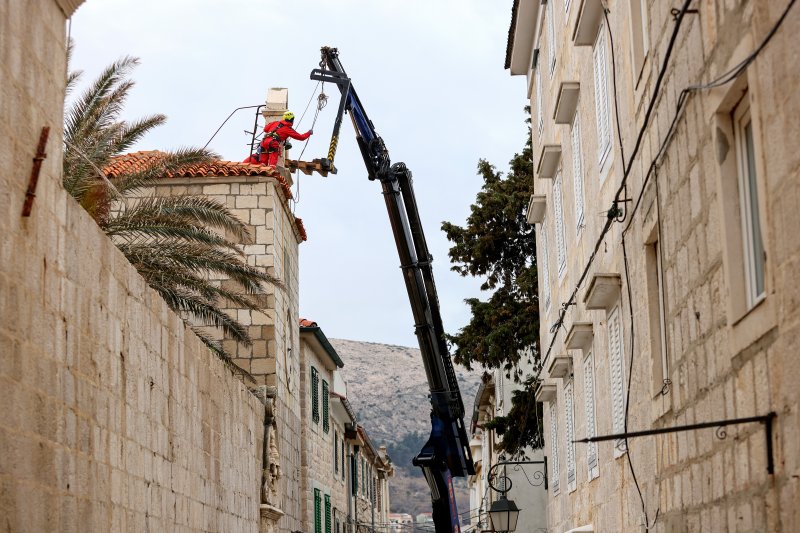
{"points": [[335, 452], [314, 395], [326, 425], [354, 474], [317, 511], [327, 513]]}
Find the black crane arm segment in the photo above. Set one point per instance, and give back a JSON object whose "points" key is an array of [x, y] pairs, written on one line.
{"points": [[447, 451]]}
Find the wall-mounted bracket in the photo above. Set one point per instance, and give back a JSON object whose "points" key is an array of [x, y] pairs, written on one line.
{"points": [[30, 194], [539, 476], [720, 432]]}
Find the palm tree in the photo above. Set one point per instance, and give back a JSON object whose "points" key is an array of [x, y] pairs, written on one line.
{"points": [[175, 242]]}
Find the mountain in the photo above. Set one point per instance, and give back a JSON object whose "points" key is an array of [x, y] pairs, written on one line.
{"points": [[387, 387]]}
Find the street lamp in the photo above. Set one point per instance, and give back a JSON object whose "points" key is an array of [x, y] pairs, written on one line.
{"points": [[504, 514]]}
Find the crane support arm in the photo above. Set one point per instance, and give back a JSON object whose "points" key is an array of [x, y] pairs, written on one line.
{"points": [[446, 453]]}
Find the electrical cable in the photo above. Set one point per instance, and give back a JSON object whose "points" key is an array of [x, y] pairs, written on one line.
{"points": [[621, 218]]}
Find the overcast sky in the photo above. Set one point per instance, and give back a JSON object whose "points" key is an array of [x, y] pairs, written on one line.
{"points": [[429, 74]]}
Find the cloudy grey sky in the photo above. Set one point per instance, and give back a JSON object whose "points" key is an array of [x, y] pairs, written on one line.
{"points": [[429, 73]]}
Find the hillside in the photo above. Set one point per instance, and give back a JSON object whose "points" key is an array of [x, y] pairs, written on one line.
{"points": [[387, 388]]}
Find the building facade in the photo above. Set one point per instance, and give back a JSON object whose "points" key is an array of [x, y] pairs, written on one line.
{"points": [[522, 483], [665, 201], [345, 485]]}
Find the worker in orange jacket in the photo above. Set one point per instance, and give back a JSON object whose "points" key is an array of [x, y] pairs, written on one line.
{"points": [[275, 137]]}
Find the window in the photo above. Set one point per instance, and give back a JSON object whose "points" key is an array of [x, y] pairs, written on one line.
{"points": [[335, 452], [317, 511], [327, 513], [354, 474], [656, 305], [543, 265], [754, 255], [570, 436], [561, 245], [314, 395], [588, 406], [326, 421], [601, 101], [551, 38], [553, 461], [617, 371], [539, 97], [343, 458], [639, 38], [577, 172]]}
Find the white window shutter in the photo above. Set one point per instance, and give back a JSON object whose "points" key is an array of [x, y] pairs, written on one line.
{"points": [[543, 264], [570, 434], [588, 405], [553, 461], [615, 354], [577, 172], [551, 34], [539, 96], [561, 245], [601, 97]]}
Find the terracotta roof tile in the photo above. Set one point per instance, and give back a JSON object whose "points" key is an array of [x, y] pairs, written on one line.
{"points": [[307, 323], [511, 29], [137, 161]]}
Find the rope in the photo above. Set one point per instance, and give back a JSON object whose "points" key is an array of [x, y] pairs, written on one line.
{"points": [[322, 101]]}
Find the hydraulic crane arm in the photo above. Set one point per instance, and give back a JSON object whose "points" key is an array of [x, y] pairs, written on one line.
{"points": [[446, 453]]}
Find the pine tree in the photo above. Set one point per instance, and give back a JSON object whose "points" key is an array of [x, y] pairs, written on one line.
{"points": [[498, 245]]}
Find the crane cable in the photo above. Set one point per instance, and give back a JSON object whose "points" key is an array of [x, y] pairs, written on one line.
{"points": [[322, 101]]}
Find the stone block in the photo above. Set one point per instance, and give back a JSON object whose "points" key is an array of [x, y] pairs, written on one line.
{"points": [[216, 189]]}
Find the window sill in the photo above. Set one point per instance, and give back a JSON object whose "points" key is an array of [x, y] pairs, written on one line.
{"points": [[752, 325]]}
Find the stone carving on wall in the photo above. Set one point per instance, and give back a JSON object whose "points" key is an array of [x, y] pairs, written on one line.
{"points": [[271, 487]]}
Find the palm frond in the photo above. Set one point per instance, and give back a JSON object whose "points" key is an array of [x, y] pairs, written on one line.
{"points": [[176, 243]]}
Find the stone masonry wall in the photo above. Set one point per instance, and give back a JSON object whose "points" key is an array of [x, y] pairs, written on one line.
{"points": [[273, 359], [723, 362], [115, 417]]}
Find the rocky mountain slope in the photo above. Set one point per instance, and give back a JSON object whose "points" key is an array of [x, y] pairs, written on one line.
{"points": [[387, 388]]}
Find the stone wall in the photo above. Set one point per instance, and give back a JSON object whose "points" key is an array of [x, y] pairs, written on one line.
{"points": [[115, 416], [724, 361], [260, 201]]}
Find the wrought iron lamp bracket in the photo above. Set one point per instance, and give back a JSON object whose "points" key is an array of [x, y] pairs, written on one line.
{"points": [[539, 476], [720, 432]]}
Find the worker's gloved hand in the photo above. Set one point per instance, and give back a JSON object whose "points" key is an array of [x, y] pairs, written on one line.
{"points": [[311, 132]]}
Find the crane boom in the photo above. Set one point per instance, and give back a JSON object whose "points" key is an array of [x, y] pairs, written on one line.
{"points": [[446, 453]]}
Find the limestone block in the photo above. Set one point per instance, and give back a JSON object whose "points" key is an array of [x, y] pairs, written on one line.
{"points": [[216, 189]]}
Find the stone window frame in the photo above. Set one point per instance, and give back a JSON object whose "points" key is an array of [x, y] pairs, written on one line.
{"points": [[746, 324], [551, 38], [657, 305], [640, 42]]}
